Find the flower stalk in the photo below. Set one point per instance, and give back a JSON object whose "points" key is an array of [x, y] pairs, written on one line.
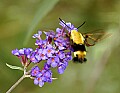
{"points": [[16, 84]]}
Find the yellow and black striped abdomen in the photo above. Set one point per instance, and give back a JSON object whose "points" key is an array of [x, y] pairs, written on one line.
{"points": [[77, 37], [79, 53]]}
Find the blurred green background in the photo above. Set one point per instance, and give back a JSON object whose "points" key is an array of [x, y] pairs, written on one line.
{"points": [[20, 19]]}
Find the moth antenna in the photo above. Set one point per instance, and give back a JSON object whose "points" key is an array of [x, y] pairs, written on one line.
{"points": [[81, 25], [64, 23]]}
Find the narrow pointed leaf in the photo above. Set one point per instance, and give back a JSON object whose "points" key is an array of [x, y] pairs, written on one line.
{"points": [[14, 67]]}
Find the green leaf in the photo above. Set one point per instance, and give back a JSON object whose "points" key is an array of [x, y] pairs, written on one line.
{"points": [[14, 67], [45, 7]]}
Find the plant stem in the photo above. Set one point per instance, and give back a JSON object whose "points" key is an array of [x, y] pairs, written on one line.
{"points": [[15, 85]]}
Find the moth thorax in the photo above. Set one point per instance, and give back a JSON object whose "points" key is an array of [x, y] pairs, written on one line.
{"points": [[77, 37]]}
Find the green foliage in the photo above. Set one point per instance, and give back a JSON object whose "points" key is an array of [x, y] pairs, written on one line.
{"points": [[44, 8], [14, 67]]}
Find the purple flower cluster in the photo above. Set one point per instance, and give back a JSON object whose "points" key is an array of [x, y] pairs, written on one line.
{"points": [[23, 54], [55, 49], [41, 76]]}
